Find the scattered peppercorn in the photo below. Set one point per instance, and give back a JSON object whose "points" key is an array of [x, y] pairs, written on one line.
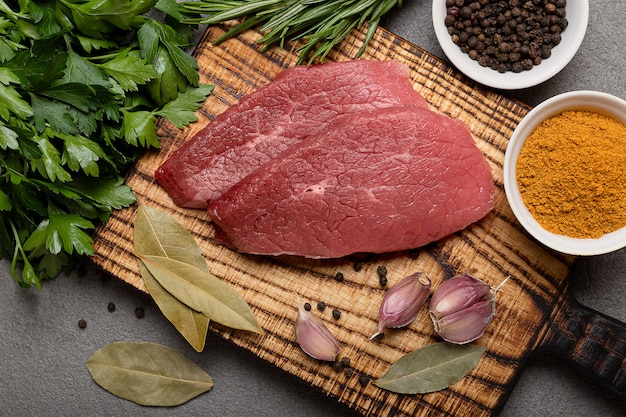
{"points": [[82, 323], [357, 266], [382, 280], [321, 306], [111, 307], [336, 314], [348, 372], [139, 312], [307, 306], [512, 35], [337, 366], [381, 270], [345, 361], [339, 276], [364, 379]]}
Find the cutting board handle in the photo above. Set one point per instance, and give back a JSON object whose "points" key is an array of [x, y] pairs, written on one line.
{"points": [[593, 342]]}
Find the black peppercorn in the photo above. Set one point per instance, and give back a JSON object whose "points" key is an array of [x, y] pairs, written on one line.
{"points": [[82, 324], [139, 312], [337, 366], [345, 361], [321, 306], [307, 306], [465, 13], [524, 50], [336, 314], [111, 307], [517, 67], [339, 276], [364, 380], [381, 270], [382, 280]]}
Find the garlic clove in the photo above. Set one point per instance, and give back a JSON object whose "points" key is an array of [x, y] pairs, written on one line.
{"points": [[457, 293], [314, 337], [402, 302]]}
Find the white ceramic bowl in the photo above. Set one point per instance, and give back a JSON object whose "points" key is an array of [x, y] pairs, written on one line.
{"points": [[577, 14], [577, 100]]}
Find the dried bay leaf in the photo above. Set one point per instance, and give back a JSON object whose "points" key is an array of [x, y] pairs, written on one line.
{"points": [[431, 368], [191, 324], [202, 291], [148, 374], [157, 233]]}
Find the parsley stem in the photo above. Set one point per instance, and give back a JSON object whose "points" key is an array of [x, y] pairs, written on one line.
{"points": [[28, 278]]}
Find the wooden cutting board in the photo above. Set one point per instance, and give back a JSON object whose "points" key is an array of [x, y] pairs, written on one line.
{"points": [[493, 249]]}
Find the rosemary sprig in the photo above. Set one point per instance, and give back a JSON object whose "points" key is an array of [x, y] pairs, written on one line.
{"points": [[321, 24]]}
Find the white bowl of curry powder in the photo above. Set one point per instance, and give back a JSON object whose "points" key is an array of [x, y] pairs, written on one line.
{"points": [[565, 173]]}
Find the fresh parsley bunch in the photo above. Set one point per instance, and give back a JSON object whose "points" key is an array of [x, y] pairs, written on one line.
{"points": [[82, 83]]}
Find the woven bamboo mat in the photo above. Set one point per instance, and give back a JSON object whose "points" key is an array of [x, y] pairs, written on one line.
{"points": [[492, 249]]}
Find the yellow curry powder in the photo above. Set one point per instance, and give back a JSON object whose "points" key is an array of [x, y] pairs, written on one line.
{"points": [[571, 173]]}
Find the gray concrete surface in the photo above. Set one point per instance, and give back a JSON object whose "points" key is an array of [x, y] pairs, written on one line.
{"points": [[42, 350]]}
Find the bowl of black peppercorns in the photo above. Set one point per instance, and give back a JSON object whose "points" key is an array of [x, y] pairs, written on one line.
{"points": [[510, 44]]}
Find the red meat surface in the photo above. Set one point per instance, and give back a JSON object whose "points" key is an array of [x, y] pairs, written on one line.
{"points": [[300, 102], [373, 181]]}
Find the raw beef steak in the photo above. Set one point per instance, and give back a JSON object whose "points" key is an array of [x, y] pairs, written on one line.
{"points": [[374, 181], [298, 103]]}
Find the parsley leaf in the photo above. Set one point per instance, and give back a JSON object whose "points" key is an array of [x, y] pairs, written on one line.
{"points": [[129, 69], [52, 113], [84, 97], [61, 232], [49, 164], [107, 193], [97, 18], [179, 111], [80, 153], [8, 138], [80, 70], [139, 128], [162, 46], [5, 202], [11, 102]]}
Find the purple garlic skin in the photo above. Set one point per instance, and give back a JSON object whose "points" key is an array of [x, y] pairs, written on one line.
{"points": [[314, 337], [462, 308], [402, 302]]}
